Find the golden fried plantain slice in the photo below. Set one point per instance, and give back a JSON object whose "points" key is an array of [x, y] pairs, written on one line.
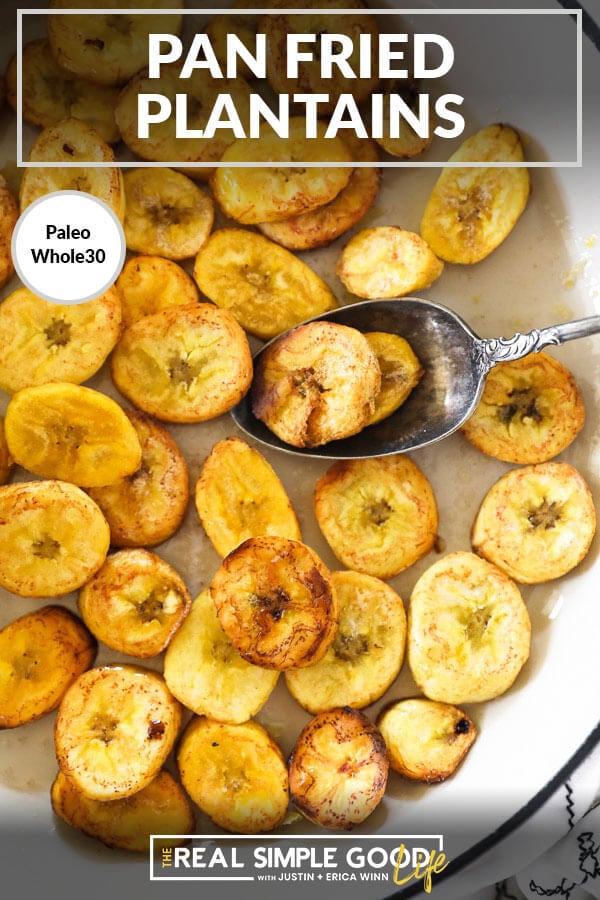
{"points": [[252, 196], [148, 506], [115, 728], [205, 672], [276, 602], [531, 409], [164, 142], [472, 210], [323, 225], [162, 807], [166, 213], [338, 769], [379, 516], [242, 26], [41, 654], [50, 94], [265, 287], [367, 651], [148, 284], [426, 740], [408, 143], [44, 341], [69, 141], [386, 261], [310, 79], [9, 213], [468, 630], [73, 433], [401, 371], [107, 48], [6, 460], [134, 603], [536, 522], [316, 383], [184, 364], [235, 773], [53, 537], [238, 496]]}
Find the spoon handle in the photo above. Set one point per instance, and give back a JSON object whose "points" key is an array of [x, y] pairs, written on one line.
{"points": [[494, 350]]}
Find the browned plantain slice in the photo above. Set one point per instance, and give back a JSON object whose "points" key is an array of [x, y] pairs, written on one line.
{"points": [[408, 143], [9, 213], [401, 371], [338, 769], [426, 740], [6, 461], [379, 516], [184, 364], [160, 808], [316, 383], [531, 409], [134, 603], [148, 506], [41, 654], [326, 223], [148, 284], [265, 287], [276, 602]]}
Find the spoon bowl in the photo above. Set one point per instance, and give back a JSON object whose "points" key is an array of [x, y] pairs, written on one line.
{"points": [[456, 362]]}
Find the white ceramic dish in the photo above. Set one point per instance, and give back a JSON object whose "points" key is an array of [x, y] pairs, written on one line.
{"points": [[534, 735]]}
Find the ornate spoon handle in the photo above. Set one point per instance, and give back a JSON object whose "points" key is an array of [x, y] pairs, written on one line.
{"points": [[491, 351]]}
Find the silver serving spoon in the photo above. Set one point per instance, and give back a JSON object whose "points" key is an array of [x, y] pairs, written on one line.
{"points": [[456, 363]]}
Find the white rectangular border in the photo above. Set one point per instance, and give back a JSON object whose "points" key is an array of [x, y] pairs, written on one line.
{"points": [[271, 839], [383, 164]]}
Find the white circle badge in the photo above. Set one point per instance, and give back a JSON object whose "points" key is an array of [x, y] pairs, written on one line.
{"points": [[68, 247]]}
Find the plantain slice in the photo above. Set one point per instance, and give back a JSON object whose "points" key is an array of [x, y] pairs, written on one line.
{"points": [[115, 728], [316, 383], [72, 433], [310, 78], [46, 341], [162, 807], [8, 219], [204, 671], [379, 516], [53, 537], [148, 284], [6, 460], [401, 371], [408, 143], [166, 213], [67, 141], [531, 409], [41, 654], [107, 47], [148, 506], [134, 603], [50, 94], [472, 210], [276, 603], [536, 522], [265, 287], [238, 496], [426, 740], [255, 195], [338, 769], [244, 26], [326, 223], [468, 630], [164, 143], [235, 773], [386, 261], [184, 364], [367, 651]]}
